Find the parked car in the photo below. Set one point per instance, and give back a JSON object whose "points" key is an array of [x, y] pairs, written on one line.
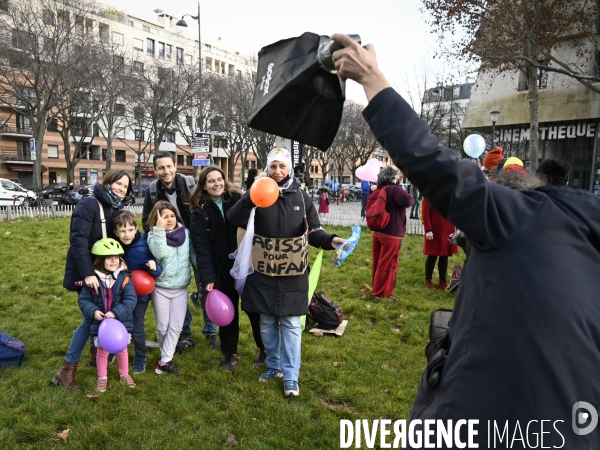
{"points": [[9, 190], [68, 197], [55, 189], [144, 187]]}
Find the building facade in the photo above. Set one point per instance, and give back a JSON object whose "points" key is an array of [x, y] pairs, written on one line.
{"points": [[161, 40], [568, 116]]}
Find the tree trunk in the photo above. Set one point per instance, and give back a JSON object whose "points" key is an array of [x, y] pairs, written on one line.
{"points": [[37, 164]]}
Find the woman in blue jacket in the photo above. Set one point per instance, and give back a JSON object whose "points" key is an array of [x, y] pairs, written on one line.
{"points": [[90, 222]]}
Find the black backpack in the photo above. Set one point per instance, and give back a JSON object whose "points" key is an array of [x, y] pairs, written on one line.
{"points": [[326, 313]]}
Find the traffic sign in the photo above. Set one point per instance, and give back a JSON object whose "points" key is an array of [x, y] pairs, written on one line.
{"points": [[32, 148], [204, 135], [200, 155], [200, 162]]}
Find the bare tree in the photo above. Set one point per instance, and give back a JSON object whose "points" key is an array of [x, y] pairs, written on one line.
{"points": [[112, 72], [521, 35], [75, 115], [360, 140], [39, 43], [231, 112]]}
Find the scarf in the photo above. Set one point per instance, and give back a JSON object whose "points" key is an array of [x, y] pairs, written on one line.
{"points": [[285, 183], [176, 238], [115, 199]]}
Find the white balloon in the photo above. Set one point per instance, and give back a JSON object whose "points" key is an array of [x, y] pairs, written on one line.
{"points": [[474, 145]]}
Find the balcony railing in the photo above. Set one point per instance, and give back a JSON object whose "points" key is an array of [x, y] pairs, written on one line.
{"points": [[9, 155], [20, 131]]}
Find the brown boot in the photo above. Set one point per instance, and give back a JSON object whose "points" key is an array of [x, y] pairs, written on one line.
{"points": [[443, 284], [65, 377], [429, 284], [93, 353]]}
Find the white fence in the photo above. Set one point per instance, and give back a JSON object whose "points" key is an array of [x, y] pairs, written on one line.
{"points": [[12, 213], [53, 211]]}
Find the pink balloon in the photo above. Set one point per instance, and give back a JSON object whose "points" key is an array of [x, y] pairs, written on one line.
{"points": [[369, 171], [113, 335], [219, 308]]}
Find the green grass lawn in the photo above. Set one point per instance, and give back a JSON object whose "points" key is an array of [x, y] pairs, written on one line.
{"points": [[371, 372]]}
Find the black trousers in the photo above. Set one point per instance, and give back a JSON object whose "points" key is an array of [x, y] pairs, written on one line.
{"points": [[442, 267]]}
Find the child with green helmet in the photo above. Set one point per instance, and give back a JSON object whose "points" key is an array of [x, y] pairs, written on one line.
{"points": [[115, 298]]}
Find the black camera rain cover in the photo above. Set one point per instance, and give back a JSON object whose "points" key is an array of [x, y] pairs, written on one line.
{"points": [[294, 97]]}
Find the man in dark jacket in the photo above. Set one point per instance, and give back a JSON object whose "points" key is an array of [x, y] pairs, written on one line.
{"points": [[524, 336], [176, 189]]}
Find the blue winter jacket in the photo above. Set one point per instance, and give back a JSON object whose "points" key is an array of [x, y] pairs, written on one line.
{"points": [[124, 300], [136, 257], [86, 229], [175, 261]]}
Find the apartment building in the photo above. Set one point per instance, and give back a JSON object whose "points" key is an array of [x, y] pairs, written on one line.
{"points": [[161, 40]]}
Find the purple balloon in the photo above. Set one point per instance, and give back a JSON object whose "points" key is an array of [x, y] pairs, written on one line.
{"points": [[113, 335], [219, 308]]}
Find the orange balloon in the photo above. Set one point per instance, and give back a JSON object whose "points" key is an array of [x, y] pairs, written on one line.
{"points": [[264, 192]]}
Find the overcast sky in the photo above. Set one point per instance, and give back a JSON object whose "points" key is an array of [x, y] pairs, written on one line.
{"points": [[395, 27]]}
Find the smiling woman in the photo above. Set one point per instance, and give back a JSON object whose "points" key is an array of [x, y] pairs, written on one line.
{"points": [[214, 238]]}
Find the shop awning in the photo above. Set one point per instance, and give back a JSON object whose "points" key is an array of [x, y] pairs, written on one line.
{"points": [[24, 168], [148, 173]]}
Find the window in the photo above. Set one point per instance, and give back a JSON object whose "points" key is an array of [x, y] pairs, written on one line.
{"points": [[48, 17], [169, 51], [52, 125], [188, 121], [150, 46], [138, 45], [119, 109], [250, 164], [456, 91], [139, 134], [120, 155], [169, 137], [180, 160], [179, 55], [23, 40], [52, 151], [23, 124], [138, 67], [138, 113], [4, 5], [118, 38], [161, 50], [48, 44], [23, 151], [188, 160], [118, 63]]}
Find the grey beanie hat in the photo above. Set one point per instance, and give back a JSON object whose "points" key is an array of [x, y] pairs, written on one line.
{"points": [[387, 175]]}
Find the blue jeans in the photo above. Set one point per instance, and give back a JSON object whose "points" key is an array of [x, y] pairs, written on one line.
{"points": [[138, 334], [80, 337], [414, 211], [282, 337]]}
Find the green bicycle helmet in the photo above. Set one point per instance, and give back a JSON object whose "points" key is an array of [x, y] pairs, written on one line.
{"points": [[107, 247]]}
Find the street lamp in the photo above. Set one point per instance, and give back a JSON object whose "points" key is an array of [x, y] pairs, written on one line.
{"points": [[182, 23], [494, 116]]}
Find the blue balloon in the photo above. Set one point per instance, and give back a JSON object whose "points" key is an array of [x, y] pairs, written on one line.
{"points": [[474, 145]]}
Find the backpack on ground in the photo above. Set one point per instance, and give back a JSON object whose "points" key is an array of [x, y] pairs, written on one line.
{"points": [[376, 214], [326, 313], [12, 350]]}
